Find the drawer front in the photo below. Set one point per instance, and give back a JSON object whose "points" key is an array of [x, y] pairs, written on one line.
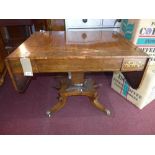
{"points": [[133, 64], [83, 23], [76, 65], [83, 37]]}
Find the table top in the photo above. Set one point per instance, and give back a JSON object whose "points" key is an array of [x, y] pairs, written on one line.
{"points": [[77, 44], [74, 51]]}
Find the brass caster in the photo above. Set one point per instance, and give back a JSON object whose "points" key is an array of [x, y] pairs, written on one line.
{"points": [[60, 99], [107, 112], [49, 113], [1, 81]]}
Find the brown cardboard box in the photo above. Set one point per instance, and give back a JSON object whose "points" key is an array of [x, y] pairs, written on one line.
{"points": [[142, 34]]}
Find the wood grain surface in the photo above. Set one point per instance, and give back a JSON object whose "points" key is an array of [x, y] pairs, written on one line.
{"points": [[76, 51]]}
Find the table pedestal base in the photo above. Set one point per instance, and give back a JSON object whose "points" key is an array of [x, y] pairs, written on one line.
{"points": [[68, 88]]}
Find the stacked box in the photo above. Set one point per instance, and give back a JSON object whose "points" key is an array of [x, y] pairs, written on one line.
{"points": [[142, 34], [139, 97]]}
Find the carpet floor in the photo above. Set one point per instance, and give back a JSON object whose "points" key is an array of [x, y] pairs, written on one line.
{"points": [[25, 114]]}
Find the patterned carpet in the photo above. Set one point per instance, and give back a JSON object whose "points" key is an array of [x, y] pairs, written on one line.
{"points": [[26, 113]]}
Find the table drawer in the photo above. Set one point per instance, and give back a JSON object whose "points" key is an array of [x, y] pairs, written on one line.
{"points": [[83, 23], [78, 65]]}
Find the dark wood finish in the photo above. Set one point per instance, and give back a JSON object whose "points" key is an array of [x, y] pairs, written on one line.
{"points": [[57, 24], [50, 52], [77, 78], [13, 32], [2, 64], [13, 36], [39, 23], [53, 52], [69, 89], [15, 22], [16, 31]]}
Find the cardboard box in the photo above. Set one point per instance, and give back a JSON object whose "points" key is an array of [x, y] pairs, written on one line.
{"points": [[142, 34], [139, 97]]}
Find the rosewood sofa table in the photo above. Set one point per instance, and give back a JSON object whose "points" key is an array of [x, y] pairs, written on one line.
{"points": [[74, 52]]}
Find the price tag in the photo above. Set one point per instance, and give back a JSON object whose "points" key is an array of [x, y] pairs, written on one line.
{"points": [[27, 67]]}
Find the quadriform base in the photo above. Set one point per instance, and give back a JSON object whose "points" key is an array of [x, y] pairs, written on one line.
{"points": [[77, 86]]}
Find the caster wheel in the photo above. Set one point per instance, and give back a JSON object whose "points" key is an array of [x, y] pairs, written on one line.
{"points": [[1, 81], [60, 99], [107, 112], [49, 113]]}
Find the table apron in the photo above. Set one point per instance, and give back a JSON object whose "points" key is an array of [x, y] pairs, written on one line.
{"points": [[75, 65]]}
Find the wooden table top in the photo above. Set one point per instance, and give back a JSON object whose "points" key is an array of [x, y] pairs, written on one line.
{"points": [[76, 52], [76, 44]]}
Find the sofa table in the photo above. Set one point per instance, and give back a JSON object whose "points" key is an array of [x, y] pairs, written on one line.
{"points": [[74, 52]]}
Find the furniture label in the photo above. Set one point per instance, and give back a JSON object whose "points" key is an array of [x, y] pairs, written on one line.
{"points": [[27, 67]]}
